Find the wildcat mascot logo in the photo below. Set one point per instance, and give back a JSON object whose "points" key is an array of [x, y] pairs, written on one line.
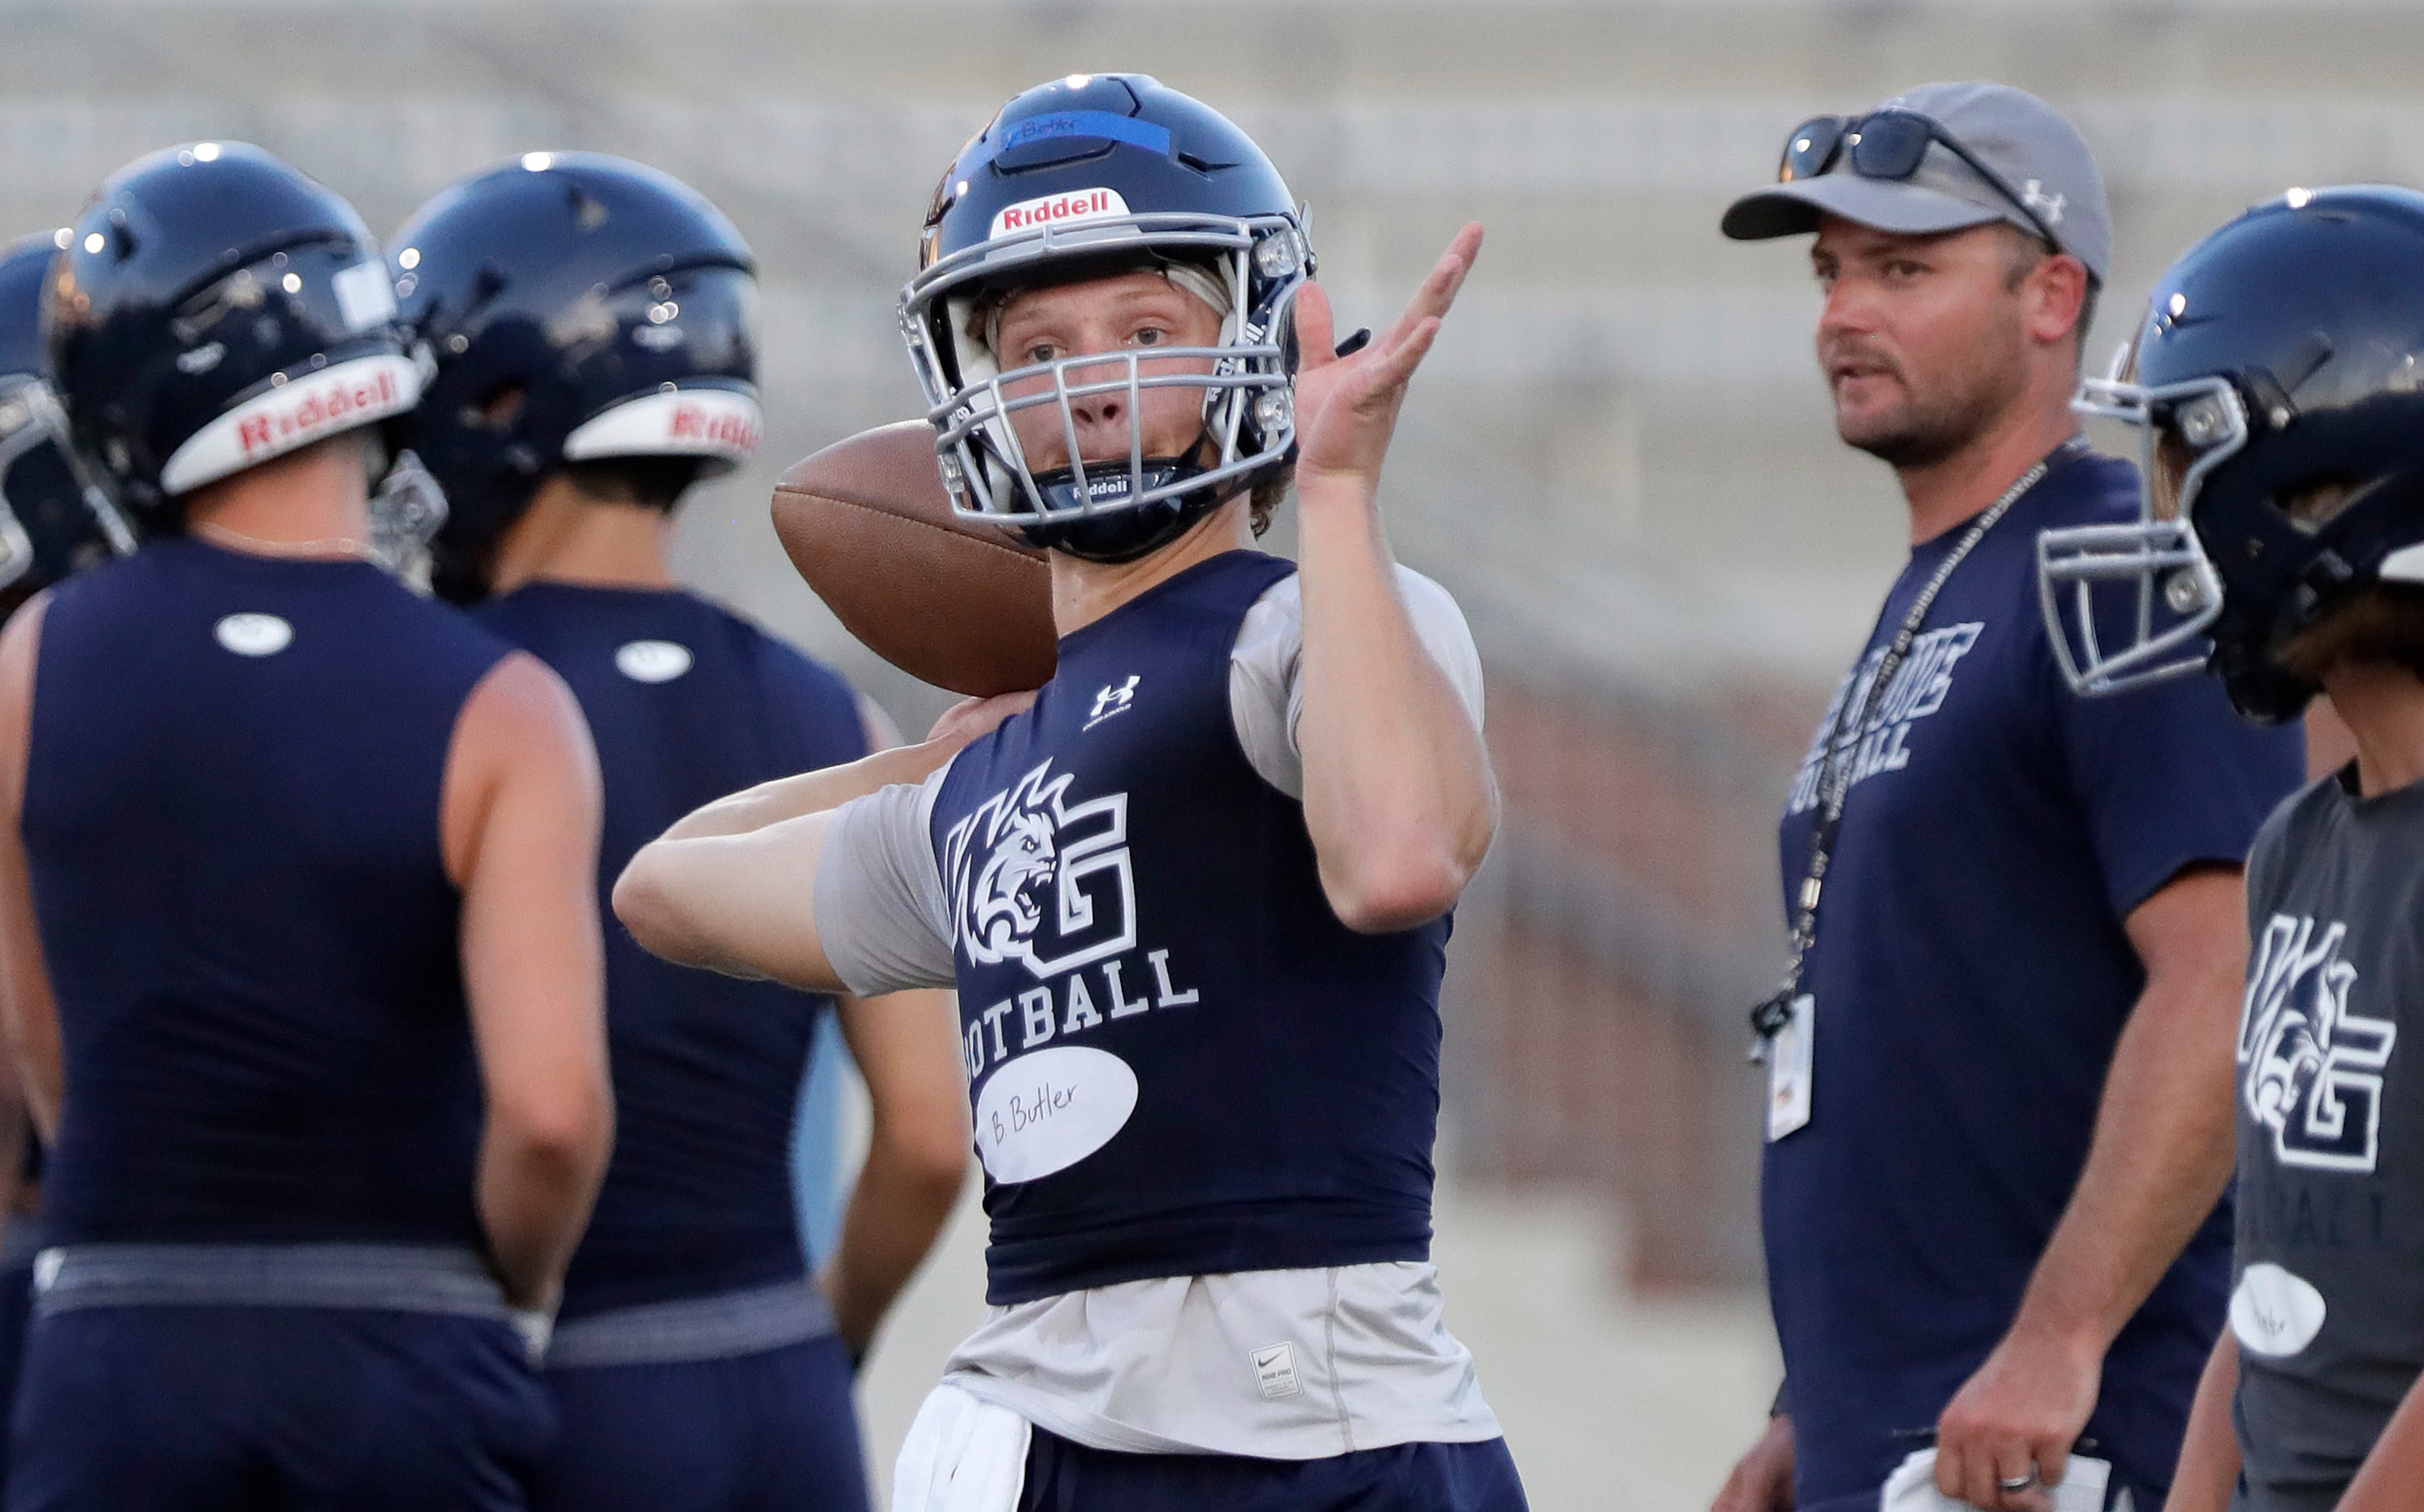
{"points": [[2311, 1071], [1037, 880]]}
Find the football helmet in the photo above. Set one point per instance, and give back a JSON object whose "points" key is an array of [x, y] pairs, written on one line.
{"points": [[1092, 175], [52, 521], [577, 307], [214, 308], [2281, 355]]}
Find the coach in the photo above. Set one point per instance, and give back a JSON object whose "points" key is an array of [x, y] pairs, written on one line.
{"points": [[2001, 1074]]}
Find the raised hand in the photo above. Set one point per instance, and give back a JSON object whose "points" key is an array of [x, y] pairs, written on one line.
{"points": [[1347, 406]]}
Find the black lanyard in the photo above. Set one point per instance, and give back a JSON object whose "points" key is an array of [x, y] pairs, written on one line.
{"points": [[1835, 776]]}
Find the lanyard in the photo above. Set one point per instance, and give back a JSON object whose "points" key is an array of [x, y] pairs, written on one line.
{"points": [[1835, 774]]}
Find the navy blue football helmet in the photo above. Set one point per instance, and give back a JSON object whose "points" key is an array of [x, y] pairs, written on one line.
{"points": [[2281, 355], [1090, 175], [578, 307], [214, 308], [52, 521]]}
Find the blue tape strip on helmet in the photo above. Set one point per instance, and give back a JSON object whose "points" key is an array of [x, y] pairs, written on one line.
{"points": [[1102, 124]]}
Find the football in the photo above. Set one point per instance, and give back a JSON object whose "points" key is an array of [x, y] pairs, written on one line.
{"points": [[963, 606]]}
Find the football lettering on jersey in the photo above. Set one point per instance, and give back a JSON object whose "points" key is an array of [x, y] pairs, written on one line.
{"points": [[1919, 690], [2310, 1069]]}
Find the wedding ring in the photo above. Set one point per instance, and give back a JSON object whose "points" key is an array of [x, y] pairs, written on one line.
{"points": [[2018, 1482]]}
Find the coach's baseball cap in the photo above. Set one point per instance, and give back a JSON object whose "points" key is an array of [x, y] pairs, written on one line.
{"points": [[2017, 136]]}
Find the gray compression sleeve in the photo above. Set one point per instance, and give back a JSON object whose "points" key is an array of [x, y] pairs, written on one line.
{"points": [[1267, 669], [880, 907]]}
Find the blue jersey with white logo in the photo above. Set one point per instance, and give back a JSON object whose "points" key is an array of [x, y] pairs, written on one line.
{"points": [[688, 703], [1181, 1062], [232, 820], [1973, 975]]}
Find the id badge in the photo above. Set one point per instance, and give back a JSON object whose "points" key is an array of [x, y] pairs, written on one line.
{"points": [[1789, 1068]]}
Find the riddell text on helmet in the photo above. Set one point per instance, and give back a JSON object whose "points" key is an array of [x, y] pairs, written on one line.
{"points": [[1054, 209], [319, 407], [729, 428]]}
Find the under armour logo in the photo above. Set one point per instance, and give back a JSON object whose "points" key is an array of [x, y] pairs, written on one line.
{"points": [[1114, 698], [2048, 205]]}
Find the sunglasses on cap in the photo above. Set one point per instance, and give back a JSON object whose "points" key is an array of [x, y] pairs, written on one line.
{"points": [[1887, 144]]}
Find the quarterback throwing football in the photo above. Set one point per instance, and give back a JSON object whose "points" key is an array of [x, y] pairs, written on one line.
{"points": [[1194, 896]]}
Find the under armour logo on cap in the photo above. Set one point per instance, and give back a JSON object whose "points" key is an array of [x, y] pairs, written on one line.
{"points": [[2019, 161]]}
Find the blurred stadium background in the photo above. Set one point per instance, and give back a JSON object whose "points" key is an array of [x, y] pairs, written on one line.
{"points": [[1620, 458]]}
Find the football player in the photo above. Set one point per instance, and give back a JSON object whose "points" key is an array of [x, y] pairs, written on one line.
{"points": [[296, 910], [592, 324], [50, 525], [1195, 897], [2274, 381]]}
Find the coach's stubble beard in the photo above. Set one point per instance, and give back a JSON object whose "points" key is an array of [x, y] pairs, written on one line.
{"points": [[1939, 415]]}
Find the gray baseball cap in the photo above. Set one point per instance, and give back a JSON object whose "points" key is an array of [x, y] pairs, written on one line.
{"points": [[2018, 136]]}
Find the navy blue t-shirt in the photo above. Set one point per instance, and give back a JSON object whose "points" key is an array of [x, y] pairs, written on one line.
{"points": [[1973, 975], [687, 703]]}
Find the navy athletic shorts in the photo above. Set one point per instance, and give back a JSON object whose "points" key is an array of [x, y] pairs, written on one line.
{"points": [[162, 1408], [1411, 1477], [755, 1433]]}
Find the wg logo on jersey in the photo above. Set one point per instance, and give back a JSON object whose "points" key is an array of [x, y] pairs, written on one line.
{"points": [[1037, 880], [2310, 1069]]}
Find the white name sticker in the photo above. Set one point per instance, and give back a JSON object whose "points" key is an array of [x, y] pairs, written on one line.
{"points": [[2275, 1312], [1048, 1109], [652, 661], [1788, 1070], [254, 634], [1059, 210]]}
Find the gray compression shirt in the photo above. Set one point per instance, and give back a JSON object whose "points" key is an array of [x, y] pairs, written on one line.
{"points": [[2327, 1299]]}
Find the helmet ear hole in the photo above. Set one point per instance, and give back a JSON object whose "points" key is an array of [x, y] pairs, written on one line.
{"points": [[501, 405], [489, 282], [2314, 502]]}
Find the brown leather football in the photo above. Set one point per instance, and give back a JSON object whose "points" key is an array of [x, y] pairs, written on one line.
{"points": [[963, 606]]}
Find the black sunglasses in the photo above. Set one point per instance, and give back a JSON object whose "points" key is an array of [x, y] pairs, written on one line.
{"points": [[1887, 144]]}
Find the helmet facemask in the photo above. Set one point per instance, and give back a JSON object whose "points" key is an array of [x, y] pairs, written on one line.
{"points": [[991, 423], [2130, 605], [30, 420]]}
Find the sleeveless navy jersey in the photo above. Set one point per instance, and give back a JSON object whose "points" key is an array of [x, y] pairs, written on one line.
{"points": [[688, 703], [232, 819], [1181, 1062]]}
